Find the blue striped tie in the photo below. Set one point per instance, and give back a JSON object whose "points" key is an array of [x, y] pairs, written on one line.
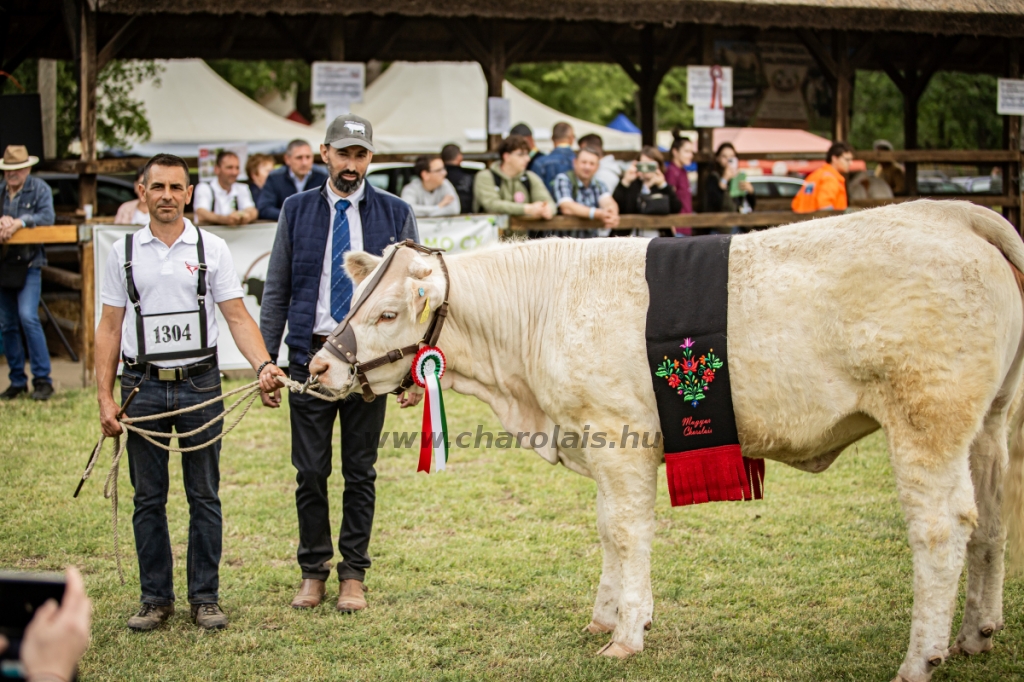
{"points": [[341, 285]]}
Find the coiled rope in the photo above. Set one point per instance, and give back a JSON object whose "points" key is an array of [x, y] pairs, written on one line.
{"points": [[250, 393]]}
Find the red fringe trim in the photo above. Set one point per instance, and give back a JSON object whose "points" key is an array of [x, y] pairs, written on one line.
{"points": [[719, 474]]}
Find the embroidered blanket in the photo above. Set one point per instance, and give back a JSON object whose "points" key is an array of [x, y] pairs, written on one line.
{"points": [[687, 350]]}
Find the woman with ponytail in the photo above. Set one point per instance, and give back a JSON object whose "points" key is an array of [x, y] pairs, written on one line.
{"points": [[680, 156]]}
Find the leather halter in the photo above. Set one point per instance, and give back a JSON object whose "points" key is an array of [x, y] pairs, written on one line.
{"points": [[342, 341]]}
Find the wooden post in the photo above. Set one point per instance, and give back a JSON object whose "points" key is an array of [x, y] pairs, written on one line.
{"points": [[910, 100], [87, 103], [47, 70], [705, 139], [1011, 142], [88, 321], [843, 86], [494, 72], [649, 82]]}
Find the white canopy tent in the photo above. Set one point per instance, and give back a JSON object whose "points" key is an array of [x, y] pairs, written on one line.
{"points": [[194, 106], [422, 106]]}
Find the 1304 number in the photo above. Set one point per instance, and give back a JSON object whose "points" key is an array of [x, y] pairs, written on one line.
{"points": [[168, 333]]}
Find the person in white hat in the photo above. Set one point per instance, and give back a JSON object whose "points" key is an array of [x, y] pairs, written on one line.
{"points": [[27, 202]]}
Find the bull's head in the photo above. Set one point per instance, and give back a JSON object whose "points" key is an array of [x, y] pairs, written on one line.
{"points": [[395, 314]]}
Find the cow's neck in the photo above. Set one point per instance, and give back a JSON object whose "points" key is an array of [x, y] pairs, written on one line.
{"points": [[494, 308]]}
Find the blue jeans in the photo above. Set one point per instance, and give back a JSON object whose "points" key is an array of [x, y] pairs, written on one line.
{"points": [[201, 472], [19, 310]]}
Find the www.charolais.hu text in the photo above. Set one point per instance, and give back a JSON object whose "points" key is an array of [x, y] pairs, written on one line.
{"points": [[506, 440]]}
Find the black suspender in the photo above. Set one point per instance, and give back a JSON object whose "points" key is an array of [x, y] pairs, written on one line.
{"points": [[133, 296]]}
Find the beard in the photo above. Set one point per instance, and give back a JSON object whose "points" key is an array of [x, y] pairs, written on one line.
{"points": [[347, 186]]}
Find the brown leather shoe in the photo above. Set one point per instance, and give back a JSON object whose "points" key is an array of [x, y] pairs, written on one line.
{"points": [[150, 617], [351, 597], [311, 593]]}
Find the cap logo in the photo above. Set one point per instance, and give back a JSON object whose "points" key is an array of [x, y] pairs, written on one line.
{"points": [[355, 128]]}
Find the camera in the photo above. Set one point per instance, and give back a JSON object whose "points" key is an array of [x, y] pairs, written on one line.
{"points": [[646, 167]]}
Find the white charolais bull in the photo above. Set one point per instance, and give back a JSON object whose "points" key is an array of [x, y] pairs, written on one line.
{"points": [[907, 318]]}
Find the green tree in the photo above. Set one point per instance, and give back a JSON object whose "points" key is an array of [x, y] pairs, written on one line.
{"points": [[956, 111], [120, 119], [258, 78]]}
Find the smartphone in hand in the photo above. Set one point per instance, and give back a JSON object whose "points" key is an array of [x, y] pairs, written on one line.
{"points": [[20, 595]]}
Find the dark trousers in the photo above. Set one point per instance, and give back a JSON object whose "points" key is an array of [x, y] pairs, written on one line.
{"points": [[201, 471], [312, 422]]}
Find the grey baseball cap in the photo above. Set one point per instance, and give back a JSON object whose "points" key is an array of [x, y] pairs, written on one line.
{"points": [[350, 130]]}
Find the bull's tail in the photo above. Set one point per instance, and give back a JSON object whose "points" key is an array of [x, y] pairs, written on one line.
{"points": [[994, 229]]}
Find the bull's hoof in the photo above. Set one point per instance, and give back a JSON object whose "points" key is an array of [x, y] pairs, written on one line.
{"points": [[596, 628], [647, 625], [615, 650]]}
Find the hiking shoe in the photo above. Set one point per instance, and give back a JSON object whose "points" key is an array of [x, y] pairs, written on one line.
{"points": [[150, 617], [209, 617], [13, 392], [43, 391]]}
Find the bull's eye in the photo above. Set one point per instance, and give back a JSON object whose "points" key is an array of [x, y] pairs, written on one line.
{"points": [[387, 316]]}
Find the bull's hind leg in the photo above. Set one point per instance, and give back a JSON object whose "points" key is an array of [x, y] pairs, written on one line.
{"points": [[628, 483], [983, 610], [938, 501]]}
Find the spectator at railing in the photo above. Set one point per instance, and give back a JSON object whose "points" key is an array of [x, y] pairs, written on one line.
{"points": [[680, 156], [224, 200], [608, 172], [257, 168], [526, 132], [429, 193], [727, 189], [134, 212], [298, 175], [561, 157], [894, 174], [507, 187], [578, 193], [644, 190], [825, 188], [461, 179]]}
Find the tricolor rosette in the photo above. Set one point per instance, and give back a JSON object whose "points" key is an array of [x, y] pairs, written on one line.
{"points": [[427, 369]]}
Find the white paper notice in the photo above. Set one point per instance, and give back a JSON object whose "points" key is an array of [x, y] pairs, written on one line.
{"points": [[704, 81], [337, 81], [499, 115], [1010, 101], [705, 117]]}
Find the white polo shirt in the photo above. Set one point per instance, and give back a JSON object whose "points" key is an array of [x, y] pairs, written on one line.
{"points": [[324, 324], [212, 197], [165, 278]]}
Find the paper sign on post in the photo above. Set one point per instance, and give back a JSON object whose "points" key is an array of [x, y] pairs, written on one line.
{"points": [[706, 117], [337, 81], [709, 86], [499, 115], [1010, 100]]}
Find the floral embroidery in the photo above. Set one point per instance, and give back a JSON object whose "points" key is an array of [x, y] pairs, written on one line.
{"points": [[690, 376]]}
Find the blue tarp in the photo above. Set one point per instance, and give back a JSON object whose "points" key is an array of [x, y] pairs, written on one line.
{"points": [[622, 123]]}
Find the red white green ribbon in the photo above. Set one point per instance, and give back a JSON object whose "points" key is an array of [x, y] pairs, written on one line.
{"points": [[427, 369]]}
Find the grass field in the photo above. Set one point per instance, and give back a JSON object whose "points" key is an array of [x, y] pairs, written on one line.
{"points": [[489, 570]]}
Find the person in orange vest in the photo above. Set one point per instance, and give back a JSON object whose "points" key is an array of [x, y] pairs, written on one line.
{"points": [[825, 188]]}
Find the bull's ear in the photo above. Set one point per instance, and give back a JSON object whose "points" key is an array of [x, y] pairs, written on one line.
{"points": [[359, 265]]}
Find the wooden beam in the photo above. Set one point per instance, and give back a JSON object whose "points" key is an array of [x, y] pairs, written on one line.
{"points": [[65, 278], [120, 39], [818, 51], [88, 311], [650, 80], [462, 32], [43, 32], [843, 87], [51, 234], [299, 43], [1011, 142], [650, 222], [69, 13], [87, 104]]}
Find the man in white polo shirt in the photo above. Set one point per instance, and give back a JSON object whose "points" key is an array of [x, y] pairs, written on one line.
{"points": [[224, 201], [158, 317]]}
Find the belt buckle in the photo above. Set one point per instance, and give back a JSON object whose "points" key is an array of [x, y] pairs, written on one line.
{"points": [[168, 374]]}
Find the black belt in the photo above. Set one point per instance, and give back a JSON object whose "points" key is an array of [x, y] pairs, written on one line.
{"points": [[318, 341], [151, 371]]}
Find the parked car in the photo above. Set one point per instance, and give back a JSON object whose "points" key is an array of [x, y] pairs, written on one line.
{"points": [[775, 186], [981, 184], [111, 192]]}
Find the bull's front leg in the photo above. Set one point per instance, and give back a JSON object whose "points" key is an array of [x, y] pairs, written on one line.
{"points": [[627, 483]]}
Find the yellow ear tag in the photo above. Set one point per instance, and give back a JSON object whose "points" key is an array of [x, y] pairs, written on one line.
{"points": [[426, 310]]}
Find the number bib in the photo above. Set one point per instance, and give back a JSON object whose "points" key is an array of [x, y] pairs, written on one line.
{"points": [[172, 332], [170, 336]]}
